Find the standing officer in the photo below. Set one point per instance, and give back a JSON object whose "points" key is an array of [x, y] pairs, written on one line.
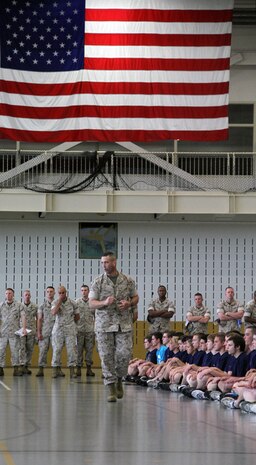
{"points": [[114, 297], [64, 331], [85, 332], [45, 322]]}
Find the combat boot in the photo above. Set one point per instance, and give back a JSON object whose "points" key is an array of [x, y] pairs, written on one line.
{"points": [[55, 372], [17, 371], [1, 371], [119, 389], [89, 371], [40, 372], [112, 392], [60, 373], [78, 372], [72, 372], [26, 370]]}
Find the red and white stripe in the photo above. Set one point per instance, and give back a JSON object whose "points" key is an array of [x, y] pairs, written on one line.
{"points": [[154, 69]]}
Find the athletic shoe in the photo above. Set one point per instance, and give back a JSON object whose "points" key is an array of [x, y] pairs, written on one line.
{"points": [[165, 386], [232, 394], [198, 394], [153, 383], [228, 402], [248, 407], [215, 395], [187, 391], [244, 406], [182, 386], [174, 387]]}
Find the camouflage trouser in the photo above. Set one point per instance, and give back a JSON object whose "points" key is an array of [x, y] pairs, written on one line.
{"points": [[27, 344], [14, 343], [115, 350], [58, 340], [44, 347], [85, 342]]}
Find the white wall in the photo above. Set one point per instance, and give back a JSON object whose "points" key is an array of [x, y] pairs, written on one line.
{"points": [[187, 257]]}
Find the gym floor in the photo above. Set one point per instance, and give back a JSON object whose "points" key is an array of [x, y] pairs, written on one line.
{"points": [[64, 422]]}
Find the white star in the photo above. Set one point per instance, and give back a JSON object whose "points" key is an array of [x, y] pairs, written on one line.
{"points": [[75, 44], [49, 62], [62, 45], [22, 60], [55, 53], [34, 29], [41, 37], [69, 20], [21, 44], [55, 4], [68, 52], [62, 29], [48, 13], [14, 19], [35, 62], [55, 37], [9, 42], [69, 36], [48, 45], [55, 21], [9, 58], [75, 12], [21, 28], [35, 45], [15, 51], [69, 4], [28, 20], [75, 60], [42, 54], [15, 35], [27, 3], [28, 53], [8, 26], [41, 21], [34, 13], [62, 61], [21, 12], [7, 10], [41, 5], [48, 29], [75, 28], [28, 37]]}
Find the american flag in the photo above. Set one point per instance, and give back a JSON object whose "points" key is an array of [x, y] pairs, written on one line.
{"points": [[114, 70]]}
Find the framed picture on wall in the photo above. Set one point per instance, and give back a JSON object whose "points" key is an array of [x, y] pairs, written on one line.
{"points": [[97, 238]]}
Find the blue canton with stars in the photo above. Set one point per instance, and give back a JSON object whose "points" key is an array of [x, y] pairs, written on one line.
{"points": [[42, 35]]}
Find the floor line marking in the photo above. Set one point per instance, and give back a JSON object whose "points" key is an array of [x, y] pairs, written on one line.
{"points": [[4, 385]]}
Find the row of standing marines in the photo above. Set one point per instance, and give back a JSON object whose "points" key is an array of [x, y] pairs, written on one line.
{"points": [[108, 311]]}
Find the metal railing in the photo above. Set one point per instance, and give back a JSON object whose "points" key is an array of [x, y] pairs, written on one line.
{"points": [[76, 170]]}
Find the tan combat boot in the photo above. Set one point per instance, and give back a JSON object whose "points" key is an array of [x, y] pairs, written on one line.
{"points": [[78, 372], [55, 372], [17, 371], [26, 370], [119, 389], [40, 372], [112, 392], [72, 372], [60, 372], [89, 371]]}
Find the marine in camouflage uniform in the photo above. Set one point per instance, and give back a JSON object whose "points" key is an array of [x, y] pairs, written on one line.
{"points": [[64, 331], [11, 313], [85, 333], [45, 322], [160, 311], [250, 312], [229, 312], [198, 316], [27, 343], [114, 297]]}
